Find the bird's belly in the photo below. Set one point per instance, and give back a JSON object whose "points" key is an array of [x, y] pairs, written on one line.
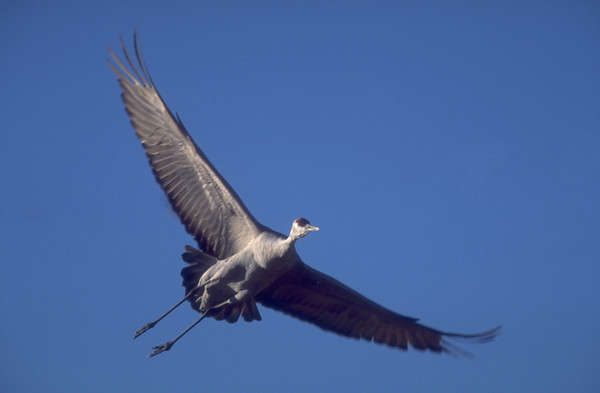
{"points": [[241, 277]]}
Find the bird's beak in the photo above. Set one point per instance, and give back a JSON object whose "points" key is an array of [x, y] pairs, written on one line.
{"points": [[312, 228]]}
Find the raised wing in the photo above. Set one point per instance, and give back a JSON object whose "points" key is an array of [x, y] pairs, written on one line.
{"points": [[208, 207], [314, 297]]}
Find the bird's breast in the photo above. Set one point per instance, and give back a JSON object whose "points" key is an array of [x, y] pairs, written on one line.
{"points": [[273, 253]]}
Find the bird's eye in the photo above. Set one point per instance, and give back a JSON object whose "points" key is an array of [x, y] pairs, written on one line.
{"points": [[302, 222]]}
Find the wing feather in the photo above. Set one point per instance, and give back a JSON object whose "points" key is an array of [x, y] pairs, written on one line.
{"points": [[314, 297], [208, 207]]}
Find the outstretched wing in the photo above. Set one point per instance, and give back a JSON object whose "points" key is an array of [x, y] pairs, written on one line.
{"points": [[314, 297], [208, 207]]}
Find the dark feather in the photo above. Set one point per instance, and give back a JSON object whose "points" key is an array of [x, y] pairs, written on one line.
{"points": [[314, 297]]}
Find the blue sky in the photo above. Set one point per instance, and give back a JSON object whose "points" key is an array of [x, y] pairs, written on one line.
{"points": [[447, 150]]}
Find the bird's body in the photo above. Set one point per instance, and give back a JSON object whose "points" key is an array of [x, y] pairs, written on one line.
{"points": [[240, 261], [229, 286]]}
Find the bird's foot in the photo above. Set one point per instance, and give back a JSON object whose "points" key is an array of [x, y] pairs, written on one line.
{"points": [[161, 348], [144, 329]]}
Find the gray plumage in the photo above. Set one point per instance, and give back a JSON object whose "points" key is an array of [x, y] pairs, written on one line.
{"points": [[241, 262]]}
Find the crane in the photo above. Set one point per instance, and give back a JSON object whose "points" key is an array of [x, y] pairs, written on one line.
{"points": [[239, 262]]}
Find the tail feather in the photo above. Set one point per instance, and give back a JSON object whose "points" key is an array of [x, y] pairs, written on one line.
{"points": [[250, 311], [199, 262], [231, 312], [193, 256]]}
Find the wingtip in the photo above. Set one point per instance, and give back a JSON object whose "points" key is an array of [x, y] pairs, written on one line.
{"points": [[484, 336]]}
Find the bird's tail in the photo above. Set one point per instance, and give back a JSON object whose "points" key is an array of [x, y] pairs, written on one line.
{"points": [[199, 263], [193, 256]]}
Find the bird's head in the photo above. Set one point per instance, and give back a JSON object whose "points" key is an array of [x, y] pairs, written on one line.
{"points": [[300, 228]]}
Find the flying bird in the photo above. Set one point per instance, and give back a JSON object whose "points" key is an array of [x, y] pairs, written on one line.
{"points": [[241, 262]]}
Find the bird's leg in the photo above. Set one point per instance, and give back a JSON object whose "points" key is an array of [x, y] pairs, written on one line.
{"points": [[166, 346], [237, 298], [150, 325]]}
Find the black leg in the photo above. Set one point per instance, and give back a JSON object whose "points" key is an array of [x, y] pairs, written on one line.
{"points": [[166, 346], [150, 325]]}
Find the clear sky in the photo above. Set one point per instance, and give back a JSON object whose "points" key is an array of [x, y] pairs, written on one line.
{"points": [[449, 151]]}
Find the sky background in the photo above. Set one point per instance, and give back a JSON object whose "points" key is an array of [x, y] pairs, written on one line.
{"points": [[449, 151]]}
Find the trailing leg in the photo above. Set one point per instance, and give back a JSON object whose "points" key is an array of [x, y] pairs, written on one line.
{"points": [[166, 346], [150, 325]]}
